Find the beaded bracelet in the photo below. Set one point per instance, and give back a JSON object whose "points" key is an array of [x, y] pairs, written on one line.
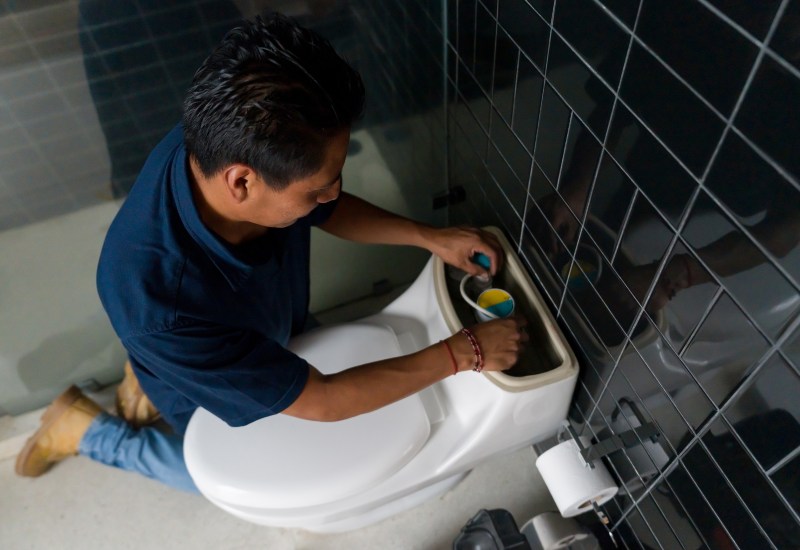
{"points": [[477, 365], [452, 357]]}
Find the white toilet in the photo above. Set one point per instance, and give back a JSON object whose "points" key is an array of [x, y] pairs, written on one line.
{"points": [[332, 477]]}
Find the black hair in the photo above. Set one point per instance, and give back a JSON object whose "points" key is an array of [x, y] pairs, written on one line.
{"points": [[270, 96]]}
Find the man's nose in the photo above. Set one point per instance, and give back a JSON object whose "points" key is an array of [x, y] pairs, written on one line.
{"points": [[330, 194]]}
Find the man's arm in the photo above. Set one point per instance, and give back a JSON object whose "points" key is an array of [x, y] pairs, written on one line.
{"points": [[356, 220], [365, 388]]}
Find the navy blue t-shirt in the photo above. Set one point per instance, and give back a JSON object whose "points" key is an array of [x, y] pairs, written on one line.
{"points": [[205, 323]]}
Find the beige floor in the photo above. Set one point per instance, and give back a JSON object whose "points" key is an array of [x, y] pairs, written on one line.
{"points": [[84, 505]]}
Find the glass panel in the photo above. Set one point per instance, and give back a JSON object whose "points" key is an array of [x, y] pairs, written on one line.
{"points": [[90, 87]]}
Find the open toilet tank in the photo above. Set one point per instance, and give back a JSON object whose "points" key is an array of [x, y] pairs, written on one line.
{"points": [[338, 476]]}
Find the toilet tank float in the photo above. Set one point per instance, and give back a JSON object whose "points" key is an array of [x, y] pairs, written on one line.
{"points": [[333, 477]]}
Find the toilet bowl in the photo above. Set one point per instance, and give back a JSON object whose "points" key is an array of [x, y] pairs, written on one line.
{"points": [[333, 477]]}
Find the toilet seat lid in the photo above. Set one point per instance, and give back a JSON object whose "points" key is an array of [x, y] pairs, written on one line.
{"points": [[282, 462]]}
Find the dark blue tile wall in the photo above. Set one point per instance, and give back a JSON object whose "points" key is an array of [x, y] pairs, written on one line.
{"points": [[642, 156]]}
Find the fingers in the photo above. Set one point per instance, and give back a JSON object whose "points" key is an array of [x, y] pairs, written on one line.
{"points": [[502, 341]]}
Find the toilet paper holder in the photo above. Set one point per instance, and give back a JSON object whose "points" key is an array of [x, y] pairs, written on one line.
{"points": [[625, 440]]}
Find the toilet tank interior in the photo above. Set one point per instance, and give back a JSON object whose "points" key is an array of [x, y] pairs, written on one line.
{"points": [[547, 356]]}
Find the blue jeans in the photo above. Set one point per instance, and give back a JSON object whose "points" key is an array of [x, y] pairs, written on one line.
{"points": [[148, 451]]}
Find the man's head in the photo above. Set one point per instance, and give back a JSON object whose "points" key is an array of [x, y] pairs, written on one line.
{"points": [[271, 97]]}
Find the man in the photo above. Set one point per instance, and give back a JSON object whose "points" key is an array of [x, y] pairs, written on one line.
{"points": [[204, 271]]}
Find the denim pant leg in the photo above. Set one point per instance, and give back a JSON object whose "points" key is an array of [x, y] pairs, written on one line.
{"points": [[148, 451]]}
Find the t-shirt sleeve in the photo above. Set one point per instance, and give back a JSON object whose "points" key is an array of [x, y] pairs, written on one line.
{"points": [[239, 376]]}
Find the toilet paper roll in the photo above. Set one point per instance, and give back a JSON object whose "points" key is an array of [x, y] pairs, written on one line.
{"points": [[574, 487], [552, 531]]}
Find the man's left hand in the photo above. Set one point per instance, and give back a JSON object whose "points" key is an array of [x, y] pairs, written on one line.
{"points": [[457, 245]]}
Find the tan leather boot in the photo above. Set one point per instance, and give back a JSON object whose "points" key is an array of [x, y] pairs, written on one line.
{"points": [[132, 403], [63, 424]]}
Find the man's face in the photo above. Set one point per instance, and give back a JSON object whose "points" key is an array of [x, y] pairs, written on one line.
{"points": [[282, 208]]}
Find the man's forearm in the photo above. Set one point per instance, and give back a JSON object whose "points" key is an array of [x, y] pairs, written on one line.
{"points": [[365, 388], [357, 220]]}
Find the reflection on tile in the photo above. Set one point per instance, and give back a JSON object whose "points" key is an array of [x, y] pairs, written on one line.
{"points": [[770, 401], [581, 155], [741, 529], [536, 244], [465, 45], [763, 116], [463, 116], [588, 340], [636, 466], [723, 350], [540, 186], [788, 481], [505, 76], [527, 99], [670, 110], [485, 33], [543, 7], [514, 190], [785, 42], [766, 296], [756, 17], [760, 199], [683, 307], [583, 91], [511, 149], [751, 484], [552, 134], [714, 58], [626, 10], [659, 524], [599, 316], [642, 247], [611, 200], [651, 395], [683, 526], [652, 168], [526, 28], [599, 40]]}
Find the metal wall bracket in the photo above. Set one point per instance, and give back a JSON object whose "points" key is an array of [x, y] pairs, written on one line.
{"points": [[624, 440]]}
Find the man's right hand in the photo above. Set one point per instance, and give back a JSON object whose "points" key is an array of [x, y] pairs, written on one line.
{"points": [[501, 342]]}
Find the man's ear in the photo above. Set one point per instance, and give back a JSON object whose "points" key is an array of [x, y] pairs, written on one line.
{"points": [[239, 180]]}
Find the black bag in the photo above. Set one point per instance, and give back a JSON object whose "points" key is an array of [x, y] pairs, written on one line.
{"points": [[491, 530]]}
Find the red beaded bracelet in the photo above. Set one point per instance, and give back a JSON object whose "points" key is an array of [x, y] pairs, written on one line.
{"points": [[452, 357], [477, 365]]}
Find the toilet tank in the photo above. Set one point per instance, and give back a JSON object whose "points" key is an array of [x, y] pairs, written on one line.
{"points": [[547, 358]]}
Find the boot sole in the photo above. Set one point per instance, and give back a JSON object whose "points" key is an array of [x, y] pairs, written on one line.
{"points": [[59, 405]]}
